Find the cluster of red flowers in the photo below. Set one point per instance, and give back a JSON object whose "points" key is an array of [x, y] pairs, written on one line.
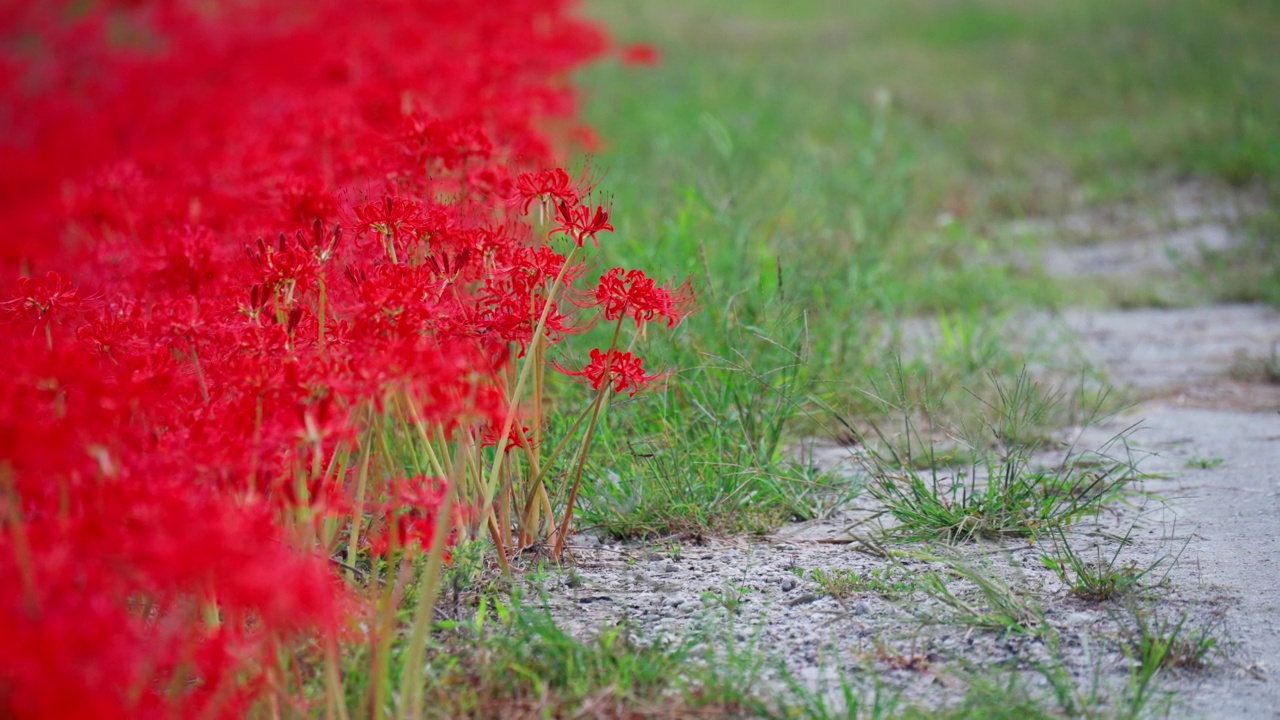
{"points": [[235, 232]]}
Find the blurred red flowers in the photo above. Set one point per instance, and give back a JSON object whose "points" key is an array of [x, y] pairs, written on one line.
{"points": [[639, 54], [239, 238]]}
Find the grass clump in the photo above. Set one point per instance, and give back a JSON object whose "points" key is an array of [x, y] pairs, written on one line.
{"points": [[1010, 499], [1155, 642], [1104, 579], [891, 582], [1005, 491], [1205, 463], [982, 599]]}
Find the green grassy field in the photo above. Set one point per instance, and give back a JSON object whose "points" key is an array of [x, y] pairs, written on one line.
{"points": [[824, 170], [984, 109], [834, 139]]}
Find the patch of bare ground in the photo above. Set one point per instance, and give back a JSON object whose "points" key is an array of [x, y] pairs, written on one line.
{"points": [[1218, 356], [1161, 235]]}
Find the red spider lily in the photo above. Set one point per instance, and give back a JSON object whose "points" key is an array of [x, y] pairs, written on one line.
{"points": [[623, 370], [450, 141], [632, 292], [518, 437], [578, 222], [41, 300], [306, 198], [409, 515], [176, 443], [534, 271], [541, 186], [283, 266], [129, 624], [391, 216]]}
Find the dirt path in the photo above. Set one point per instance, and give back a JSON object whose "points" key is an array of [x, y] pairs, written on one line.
{"points": [[1212, 426], [1231, 513], [1213, 431]]}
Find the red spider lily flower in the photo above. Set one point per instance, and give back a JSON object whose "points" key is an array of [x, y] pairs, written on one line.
{"points": [[41, 300], [390, 217], [623, 370], [451, 141], [288, 266], [188, 262], [513, 318], [518, 437], [554, 185], [632, 292], [639, 54], [536, 269], [578, 222], [304, 199], [156, 461], [410, 515]]}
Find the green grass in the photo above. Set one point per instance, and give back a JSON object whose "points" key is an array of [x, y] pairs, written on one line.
{"points": [[982, 599], [1204, 463], [1004, 490], [511, 659], [856, 160], [709, 453], [790, 200], [1011, 106], [1155, 641], [893, 582], [823, 172], [1012, 500], [1106, 578]]}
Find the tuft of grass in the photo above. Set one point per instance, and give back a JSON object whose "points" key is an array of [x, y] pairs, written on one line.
{"points": [[1105, 579], [1000, 696], [1257, 369], [1155, 642], [1005, 493], [731, 598], [893, 582], [982, 600], [511, 659], [1051, 688], [1005, 498], [710, 453], [1246, 274], [1204, 463]]}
